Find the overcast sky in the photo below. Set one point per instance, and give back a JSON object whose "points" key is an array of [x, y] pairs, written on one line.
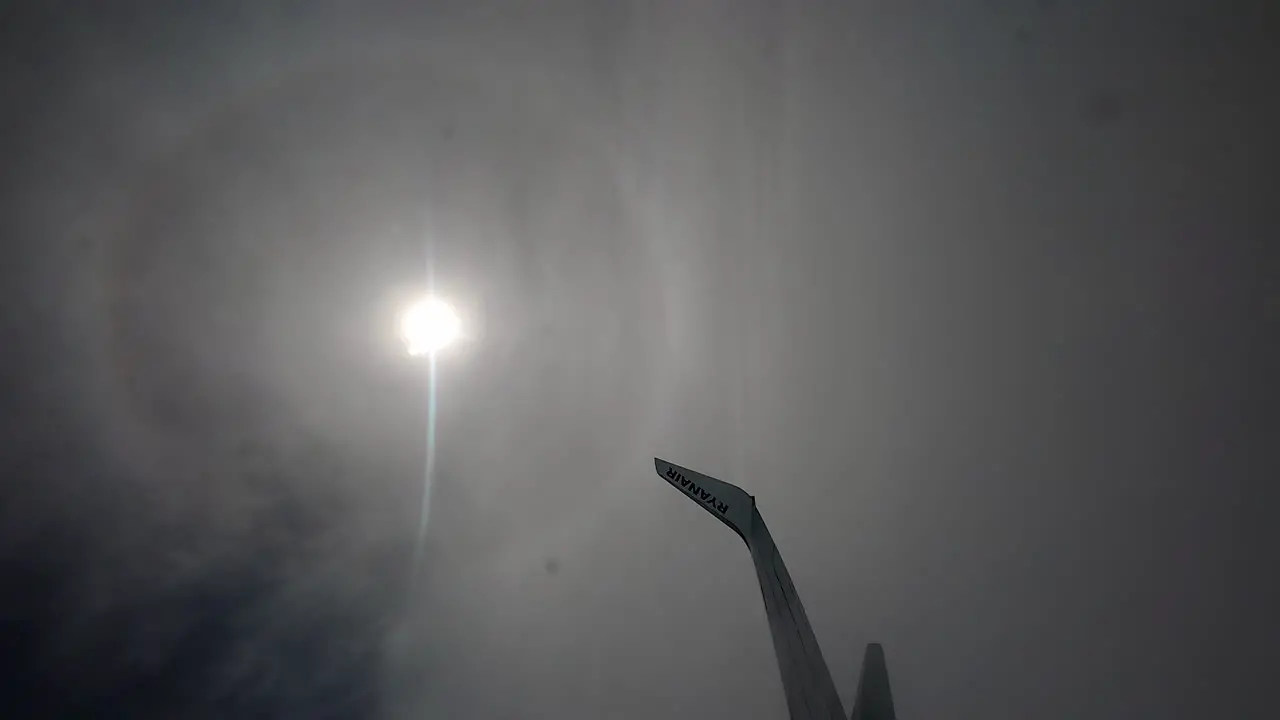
{"points": [[979, 299]]}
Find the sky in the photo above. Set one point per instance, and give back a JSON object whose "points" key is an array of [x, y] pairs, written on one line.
{"points": [[979, 300]]}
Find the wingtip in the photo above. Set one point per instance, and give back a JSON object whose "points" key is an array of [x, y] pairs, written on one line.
{"points": [[874, 700]]}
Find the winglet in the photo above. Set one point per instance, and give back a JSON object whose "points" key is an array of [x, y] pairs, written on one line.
{"points": [[874, 700], [729, 504], [811, 694]]}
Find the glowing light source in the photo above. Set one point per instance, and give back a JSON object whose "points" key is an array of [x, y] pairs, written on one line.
{"points": [[429, 326]]}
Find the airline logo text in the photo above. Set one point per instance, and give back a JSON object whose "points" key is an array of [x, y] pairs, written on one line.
{"points": [[677, 478]]}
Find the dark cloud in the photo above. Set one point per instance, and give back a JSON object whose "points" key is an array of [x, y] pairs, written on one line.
{"points": [[1104, 107]]}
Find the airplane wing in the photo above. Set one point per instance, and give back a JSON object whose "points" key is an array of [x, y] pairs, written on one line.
{"points": [[811, 695], [729, 504], [874, 700]]}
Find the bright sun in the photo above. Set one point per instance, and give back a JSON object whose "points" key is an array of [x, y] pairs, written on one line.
{"points": [[429, 326]]}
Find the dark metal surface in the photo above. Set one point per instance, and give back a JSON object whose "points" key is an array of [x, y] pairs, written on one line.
{"points": [[811, 694]]}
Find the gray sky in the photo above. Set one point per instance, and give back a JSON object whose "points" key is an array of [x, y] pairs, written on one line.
{"points": [[969, 295]]}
